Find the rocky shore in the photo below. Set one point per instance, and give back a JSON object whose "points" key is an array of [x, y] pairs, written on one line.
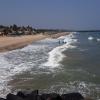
{"points": [[35, 95]]}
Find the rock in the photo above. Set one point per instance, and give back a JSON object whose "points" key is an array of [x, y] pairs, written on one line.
{"points": [[2, 99], [54, 96], [72, 96], [44, 96], [21, 94], [33, 95], [13, 97], [27, 94]]}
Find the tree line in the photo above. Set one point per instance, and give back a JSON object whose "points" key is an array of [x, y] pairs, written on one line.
{"points": [[14, 29], [24, 30]]}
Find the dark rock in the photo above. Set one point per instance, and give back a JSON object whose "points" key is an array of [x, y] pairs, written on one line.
{"points": [[35, 92], [21, 94], [33, 95], [54, 96], [72, 96], [2, 99], [44, 96], [13, 97], [27, 94]]}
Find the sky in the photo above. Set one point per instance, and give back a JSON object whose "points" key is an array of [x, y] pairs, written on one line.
{"points": [[56, 14]]}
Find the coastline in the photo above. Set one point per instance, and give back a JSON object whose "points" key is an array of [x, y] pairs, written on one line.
{"points": [[12, 43]]}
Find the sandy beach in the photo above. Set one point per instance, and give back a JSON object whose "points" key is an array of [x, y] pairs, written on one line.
{"points": [[11, 43]]}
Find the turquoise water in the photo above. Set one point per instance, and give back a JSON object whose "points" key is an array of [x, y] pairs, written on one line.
{"points": [[68, 64]]}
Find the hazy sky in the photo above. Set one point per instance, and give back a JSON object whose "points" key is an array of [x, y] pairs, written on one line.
{"points": [[66, 14]]}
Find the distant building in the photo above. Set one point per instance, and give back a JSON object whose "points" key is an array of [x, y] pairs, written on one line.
{"points": [[1, 31], [26, 32]]}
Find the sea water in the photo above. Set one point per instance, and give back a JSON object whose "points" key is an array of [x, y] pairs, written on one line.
{"points": [[67, 64]]}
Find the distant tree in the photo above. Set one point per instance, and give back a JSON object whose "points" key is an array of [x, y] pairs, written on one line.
{"points": [[10, 27], [1, 26], [29, 28], [14, 27], [6, 31]]}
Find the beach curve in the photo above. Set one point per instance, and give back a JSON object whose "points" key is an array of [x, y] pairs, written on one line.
{"points": [[12, 43]]}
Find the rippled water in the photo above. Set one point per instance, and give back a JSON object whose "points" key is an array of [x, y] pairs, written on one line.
{"points": [[68, 64]]}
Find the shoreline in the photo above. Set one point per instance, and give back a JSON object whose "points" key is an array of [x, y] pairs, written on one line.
{"points": [[12, 43]]}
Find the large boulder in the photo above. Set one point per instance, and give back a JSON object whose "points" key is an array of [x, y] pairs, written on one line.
{"points": [[21, 94], [13, 97], [44, 96], [33, 95], [51, 96], [27, 94], [2, 99], [54, 96], [72, 96]]}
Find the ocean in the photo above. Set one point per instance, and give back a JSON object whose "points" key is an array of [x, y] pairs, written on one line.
{"points": [[67, 64]]}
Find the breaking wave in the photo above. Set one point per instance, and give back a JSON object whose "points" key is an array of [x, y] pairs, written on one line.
{"points": [[31, 56], [90, 38], [86, 89], [56, 55], [98, 39], [21, 60]]}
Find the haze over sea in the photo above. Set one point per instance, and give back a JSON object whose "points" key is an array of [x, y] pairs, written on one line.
{"points": [[67, 64]]}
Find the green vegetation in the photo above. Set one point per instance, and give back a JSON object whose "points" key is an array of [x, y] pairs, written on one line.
{"points": [[22, 30], [16, 30]]}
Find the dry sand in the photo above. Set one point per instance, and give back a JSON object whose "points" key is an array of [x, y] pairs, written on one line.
{"points": [[11, 43]]}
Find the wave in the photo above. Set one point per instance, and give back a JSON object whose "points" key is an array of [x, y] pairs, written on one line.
{"points": [[4, 76], [90, 38], [56, 55], [98, 39], [87, 89], [19, 61], [33, 56], [7, 70]]}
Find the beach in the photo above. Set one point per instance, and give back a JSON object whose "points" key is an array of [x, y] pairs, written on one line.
{"points": [[67, 67], [11, 43]]}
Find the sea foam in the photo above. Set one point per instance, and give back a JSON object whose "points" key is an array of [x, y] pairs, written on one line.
{"points": [[90, 38], [98, 39], [18, 61], [32, 56], [56, 55]]}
